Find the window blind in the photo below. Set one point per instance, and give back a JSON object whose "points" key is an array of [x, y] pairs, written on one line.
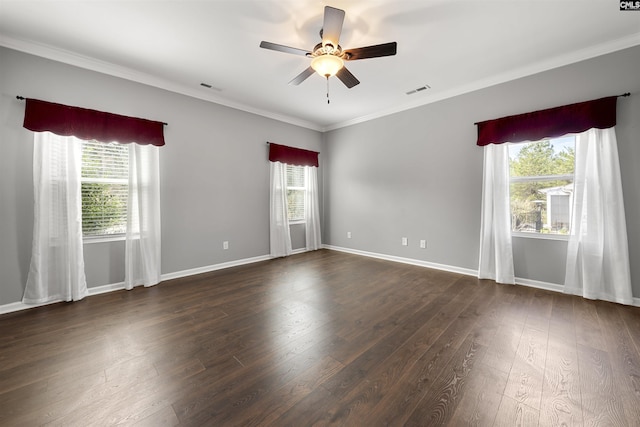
{"points": [[105, 188], [295, 192]]}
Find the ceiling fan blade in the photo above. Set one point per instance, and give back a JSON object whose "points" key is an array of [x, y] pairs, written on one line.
{"points": [[285, 49], [347, 78], [385, 49], [332, 25], [302, 76]]}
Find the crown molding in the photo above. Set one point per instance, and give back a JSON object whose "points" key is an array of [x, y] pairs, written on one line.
{"points": [[81, 61], [538, 67], [88, 63]]}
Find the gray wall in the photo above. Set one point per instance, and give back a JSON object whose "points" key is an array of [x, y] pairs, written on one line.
{"points": [[414, 174], [418, 173], [214, 170]]}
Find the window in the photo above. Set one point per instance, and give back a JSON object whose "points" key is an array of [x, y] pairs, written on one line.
{"points": [[295, 192], [541, 185], [105, 186]]}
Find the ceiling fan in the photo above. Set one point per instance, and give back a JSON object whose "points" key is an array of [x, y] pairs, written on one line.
{"points": [[328, 56]]}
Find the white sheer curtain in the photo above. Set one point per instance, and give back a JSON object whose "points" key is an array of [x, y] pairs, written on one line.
{"points": [[57, 265], [280, 236], [496, 253], [598, 254], [312, 211], [142, 246]]}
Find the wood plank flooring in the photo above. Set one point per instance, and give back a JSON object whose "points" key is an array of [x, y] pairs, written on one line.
{"points": [[323, 338]]}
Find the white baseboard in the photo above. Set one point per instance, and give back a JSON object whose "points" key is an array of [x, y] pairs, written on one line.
{"points": [[436, 266], [214, 267], [19, 306], [453, 269], [540, 285], [97, 290]]}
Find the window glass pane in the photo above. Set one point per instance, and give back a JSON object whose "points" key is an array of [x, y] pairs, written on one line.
{"points": [[295, 205], [104, 188], [104, 208], [540, 158], [541, 189], [541, 206], [295, 192]]}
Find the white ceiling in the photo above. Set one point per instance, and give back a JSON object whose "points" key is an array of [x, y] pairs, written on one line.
{"points": [[453, 46]]}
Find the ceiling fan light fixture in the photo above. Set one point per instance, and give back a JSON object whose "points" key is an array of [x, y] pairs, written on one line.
{"points": [[327, 65], [327, 57]]}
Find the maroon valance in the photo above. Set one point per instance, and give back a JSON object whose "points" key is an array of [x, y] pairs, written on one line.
{"points": [[549, 123], [41, 116], [292, 156]]}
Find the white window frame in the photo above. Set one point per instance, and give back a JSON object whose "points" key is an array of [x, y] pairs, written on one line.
{"points": [[298, 188], [540, 178], [99, 238]]}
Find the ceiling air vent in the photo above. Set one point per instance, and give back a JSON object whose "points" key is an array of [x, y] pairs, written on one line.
{"points": [[208, 86], [420, 89]]}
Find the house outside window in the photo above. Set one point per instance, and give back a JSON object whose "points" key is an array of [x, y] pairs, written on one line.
{"points": [[104, 188], [296, 178], [541, 186]]}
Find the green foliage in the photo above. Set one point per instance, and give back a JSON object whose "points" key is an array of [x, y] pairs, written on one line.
{"points": [[527, 199], [565, 161], [103, 208], [534, 159]]}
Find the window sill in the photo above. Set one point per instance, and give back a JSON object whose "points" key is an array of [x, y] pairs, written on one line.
{"points": [[542, 236], [300, 221], [104, 239]]}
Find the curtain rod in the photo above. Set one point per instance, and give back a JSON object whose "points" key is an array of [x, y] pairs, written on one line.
{"points": [[22, 98]]}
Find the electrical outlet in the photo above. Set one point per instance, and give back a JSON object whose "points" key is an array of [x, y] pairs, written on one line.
{"points": [[423, 244], [405, 241], [225, 245], [348, 234]]}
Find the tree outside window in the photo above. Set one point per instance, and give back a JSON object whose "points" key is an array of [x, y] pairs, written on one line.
{"points": [[541, 185]]}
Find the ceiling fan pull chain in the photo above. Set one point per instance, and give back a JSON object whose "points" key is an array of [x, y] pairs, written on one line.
{"points": [[328, 100]]}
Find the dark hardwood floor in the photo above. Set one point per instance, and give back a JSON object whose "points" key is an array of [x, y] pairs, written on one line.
{"points": [[323, 338]]}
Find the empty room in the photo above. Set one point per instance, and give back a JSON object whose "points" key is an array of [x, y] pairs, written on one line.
{"points": [[297, 213]]}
